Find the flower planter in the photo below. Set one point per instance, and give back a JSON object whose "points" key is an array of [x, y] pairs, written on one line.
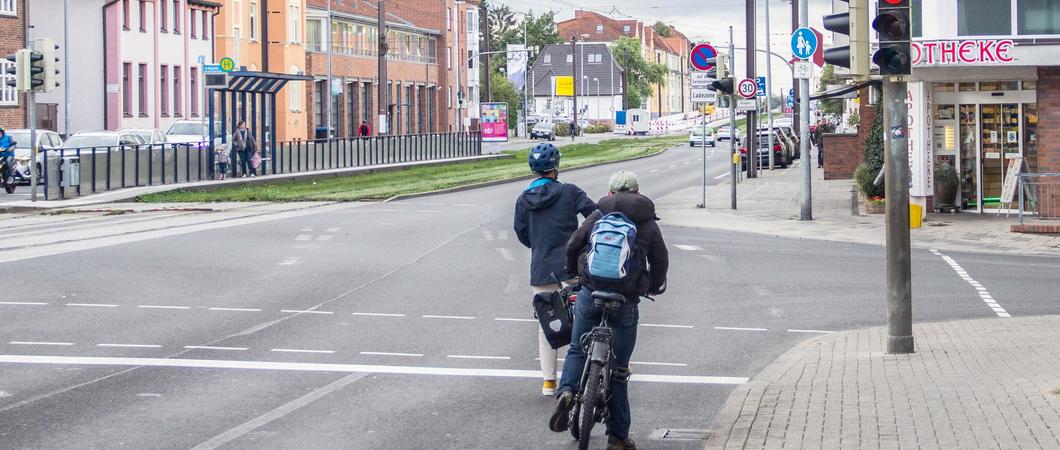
{"points": [[868, 207]]}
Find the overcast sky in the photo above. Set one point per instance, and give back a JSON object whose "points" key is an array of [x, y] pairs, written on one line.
{"points": [[700, 20]]}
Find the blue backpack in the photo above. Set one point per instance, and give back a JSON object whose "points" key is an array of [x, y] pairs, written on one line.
{"points": [[613, 258]]}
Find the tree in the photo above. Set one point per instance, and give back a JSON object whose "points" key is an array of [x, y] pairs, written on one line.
{"points": [[504, 92], [638, 75], [663, 29], [832, 106], [872, 163], [540, 31]]}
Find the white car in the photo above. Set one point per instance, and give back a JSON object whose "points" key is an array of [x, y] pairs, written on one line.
{"points": [[725, 133], [102, 140], [193, 131], [46, 140], [699, 136], [150, 136]]}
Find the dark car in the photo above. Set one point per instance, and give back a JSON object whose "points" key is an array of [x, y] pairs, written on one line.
{"points": [[780, 157], [543, 130]]}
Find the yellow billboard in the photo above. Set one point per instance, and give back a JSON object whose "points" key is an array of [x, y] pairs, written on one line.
{"points": [[564, 86]]}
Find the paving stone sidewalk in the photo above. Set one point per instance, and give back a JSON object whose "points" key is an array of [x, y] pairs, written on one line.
{"points": [[770, 205], [987, 383]]}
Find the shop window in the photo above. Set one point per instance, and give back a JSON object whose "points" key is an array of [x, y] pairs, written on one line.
{"points": [[1030, 136], [993, 86], [984, 18], [966, 87], [944, 87], [1038, 16], [1029, 85], [917, 18]]}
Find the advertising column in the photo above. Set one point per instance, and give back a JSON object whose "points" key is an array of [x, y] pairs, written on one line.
{"points": [[494, 119]]}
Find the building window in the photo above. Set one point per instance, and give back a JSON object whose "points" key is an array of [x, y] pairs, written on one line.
{"points": [[570, 58], [205, 26], [449, 58], [178, 16], [8, 8], [253, 21], [366, 99], [449, 19], [449, 98], [472, 23], [143, 90], [470, 59], [126, 89], [178, 93], [194, 76], [625, 28], [984, 18], [193, 24], [8, 94], [313, 42], [163, 21], [125, 14], [294, 91], [319, 102], [294, 21], [143, 16], [163, 90], [599, 28], [1038, 16]]}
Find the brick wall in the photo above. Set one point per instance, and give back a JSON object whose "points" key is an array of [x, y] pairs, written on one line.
{"points": [[843, 152], [1049, 134], [12, 39]]}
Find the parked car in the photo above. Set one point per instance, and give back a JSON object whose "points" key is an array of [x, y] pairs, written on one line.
{"points": [[788, 145], [46, 140], [725, 133], [700, 134], [150, 136], [192, 132], [762, 152], [543, 130], [790, 133], [99, 140]]}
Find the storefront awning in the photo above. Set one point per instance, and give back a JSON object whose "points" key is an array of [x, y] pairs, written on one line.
{"points": [[260, 82]]}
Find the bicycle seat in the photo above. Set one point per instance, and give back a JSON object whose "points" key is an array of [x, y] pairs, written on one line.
{"points": [[609, 296]]}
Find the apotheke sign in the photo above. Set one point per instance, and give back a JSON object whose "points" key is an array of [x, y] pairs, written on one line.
{"points": [[974, 51]]}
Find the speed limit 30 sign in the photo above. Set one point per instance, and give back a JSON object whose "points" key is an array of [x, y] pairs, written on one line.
{"points": [[747, 88]]}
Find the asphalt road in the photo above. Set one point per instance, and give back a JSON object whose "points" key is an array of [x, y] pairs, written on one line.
{"points": [[407, 325]]}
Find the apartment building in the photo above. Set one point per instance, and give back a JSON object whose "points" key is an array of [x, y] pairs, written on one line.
{"points": [[12, 38]]}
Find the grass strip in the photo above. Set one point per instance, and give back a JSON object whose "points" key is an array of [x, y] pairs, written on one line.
{"points": [[383, 185]]}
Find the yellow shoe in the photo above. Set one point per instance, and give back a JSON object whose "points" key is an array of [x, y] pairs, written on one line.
{"points": [[548, 388]]}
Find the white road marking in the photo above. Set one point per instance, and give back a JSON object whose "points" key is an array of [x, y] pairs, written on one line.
{"points": [[378, 314], [333, 229], [303, 237], [672, 166], [429, 211], [463, 204], [325, 237], [477, 357], [428, 316], [506, 254], [162, 307], [210, 347], [40, 343], [306, 229], [305, 311], [487, 235], [812, 331], [322, 367], [97, 305], [502, 235], [508, 319], [432, 204], [688, 162], [660, 325], [148, 394], [721, 176], [415, 355], [983, 293], [295, 350], [689, 248], [23, 303], [653, 170], [307, 246], [130, 345], [513, 284], [289, 261], [659, 364], [236, 309], [739, 329]]}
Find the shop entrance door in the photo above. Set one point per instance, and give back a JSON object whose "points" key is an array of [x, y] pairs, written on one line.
{"points": [[999, 127]]}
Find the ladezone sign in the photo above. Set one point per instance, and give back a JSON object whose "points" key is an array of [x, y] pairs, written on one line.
{"points": [[975, 51]]}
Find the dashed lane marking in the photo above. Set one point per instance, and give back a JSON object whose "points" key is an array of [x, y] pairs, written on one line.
{"points": [[739, 329], [303, 237], [307, 230], [297, 350], [464, 204], [812, 331], [41, 343], [378, 314], [509, 319], [236, 309], [660, 325], [506, 254], [333, 229], [502, 235], [428, 316], [478, 357], [659, 364], [289, 261], [130, 345], [721, 176], [23, 303], [162, 307], [211, 347], [428, 211], [325, 237], [653, 170], [980, 289], [689, 248], [305, 311], [95, 305], [413, 355]]}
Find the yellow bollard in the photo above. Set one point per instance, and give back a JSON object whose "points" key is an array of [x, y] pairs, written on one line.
{"points": [[916, 214]]}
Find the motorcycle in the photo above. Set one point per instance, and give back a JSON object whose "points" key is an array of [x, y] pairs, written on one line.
{"points": [[7, 172]]}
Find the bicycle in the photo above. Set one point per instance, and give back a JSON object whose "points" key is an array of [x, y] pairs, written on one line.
{"points": [[590, 402]]}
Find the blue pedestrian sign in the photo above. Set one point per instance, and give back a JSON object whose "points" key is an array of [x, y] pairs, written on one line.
{"points": [[761, 81], [803, 43]]}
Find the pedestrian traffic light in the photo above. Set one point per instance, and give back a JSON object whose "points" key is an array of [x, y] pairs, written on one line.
{"points": [[723, 85], [20, 69], [853, 23], [892, 24], [49, 73]]}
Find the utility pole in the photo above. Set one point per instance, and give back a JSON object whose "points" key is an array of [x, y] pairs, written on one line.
{"points": [[896, 186], [752, 126], [485, 13], [574, 73], [526, 70], [795, 83], [383, 97], [733, 155], [769, 88], [330, 97], [66, 67], [806, 203]]}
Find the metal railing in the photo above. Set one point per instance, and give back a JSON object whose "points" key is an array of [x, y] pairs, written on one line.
{"points": [[82, 171], [1039, 195]]}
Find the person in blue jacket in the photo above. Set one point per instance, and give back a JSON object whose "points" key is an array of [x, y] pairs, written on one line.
{"points": [[7, 154], [545, 216]]}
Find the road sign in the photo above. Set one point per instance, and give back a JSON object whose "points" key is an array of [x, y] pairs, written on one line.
{"points": [[790, 101], [803, 70], [227, 64], [701, 79], [703, 95], [803, 43], [747, 88], [202, 59], [212, 68], [747, 105], [761, 81], [701, 54]]}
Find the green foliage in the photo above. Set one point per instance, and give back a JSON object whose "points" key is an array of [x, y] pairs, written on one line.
{"points": [[640, 74], [830, 107], [597, 128], [504, 91], [663, 29], [873, 159], [563, 129], [854, 120], [540, 31]]}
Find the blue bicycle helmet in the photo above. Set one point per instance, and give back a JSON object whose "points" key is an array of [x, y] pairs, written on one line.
{"points": [[543, 158]]}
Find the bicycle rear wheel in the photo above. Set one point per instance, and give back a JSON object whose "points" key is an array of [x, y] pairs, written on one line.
{"points": [[591, 403]]}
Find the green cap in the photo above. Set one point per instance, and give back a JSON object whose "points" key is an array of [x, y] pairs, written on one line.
{"points": [[624, 181]]}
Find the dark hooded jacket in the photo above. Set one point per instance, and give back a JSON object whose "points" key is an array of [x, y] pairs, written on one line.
{"points": [[545, 216], [641, 210]]}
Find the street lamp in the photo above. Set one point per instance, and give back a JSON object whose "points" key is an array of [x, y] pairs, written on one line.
{"points": [[597, 80]]}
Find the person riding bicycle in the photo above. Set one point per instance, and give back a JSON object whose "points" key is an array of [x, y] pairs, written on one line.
{"points": [[545, 216], [7, 154], [624, 197]]}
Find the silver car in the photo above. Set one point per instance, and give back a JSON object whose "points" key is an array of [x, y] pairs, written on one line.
{"points": [[150, 136], [701, 136]]}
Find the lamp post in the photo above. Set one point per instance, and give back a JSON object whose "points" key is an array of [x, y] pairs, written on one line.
{"points": [[597, 80]]}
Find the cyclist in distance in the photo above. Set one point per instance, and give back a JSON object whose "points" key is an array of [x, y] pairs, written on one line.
{"points": [[545, 216], [624, 197]]}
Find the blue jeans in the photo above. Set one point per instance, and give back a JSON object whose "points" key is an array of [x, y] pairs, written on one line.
{"points": [[623, 323]]}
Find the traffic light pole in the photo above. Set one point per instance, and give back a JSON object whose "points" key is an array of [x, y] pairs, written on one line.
{"points": [[896, 181], [806, 203], [31, 99], [733, 155]]}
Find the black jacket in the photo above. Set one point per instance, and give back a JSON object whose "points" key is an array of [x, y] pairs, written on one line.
{"points": [[545, 216], [641, 210]]}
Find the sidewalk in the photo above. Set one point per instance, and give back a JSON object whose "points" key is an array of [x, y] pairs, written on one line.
{"points": [[987, 383], [770, 205]]}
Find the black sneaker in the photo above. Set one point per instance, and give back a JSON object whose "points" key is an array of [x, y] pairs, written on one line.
{"points": [[614, 443], [561, 416]]}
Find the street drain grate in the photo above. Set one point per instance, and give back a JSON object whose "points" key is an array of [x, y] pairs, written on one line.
{"points": [[680, 434]]}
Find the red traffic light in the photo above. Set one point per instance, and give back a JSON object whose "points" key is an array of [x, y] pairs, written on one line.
{"points": [[896, 2]]}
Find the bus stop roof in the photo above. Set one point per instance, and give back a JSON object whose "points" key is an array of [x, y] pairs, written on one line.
{"points": [[260, 82]]}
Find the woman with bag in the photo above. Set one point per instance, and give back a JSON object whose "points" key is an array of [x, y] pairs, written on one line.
{"points": [[243, 143]]}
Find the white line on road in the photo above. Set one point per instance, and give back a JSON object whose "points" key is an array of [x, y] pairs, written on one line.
{"points": [[739, 329], [660, 325], [415, 355], [688, 248], [378, 314], [306, 229], [487, 235], [430, 211], [477, 357], [148, 394], [323, 367], [983, 293], [162, 307], [333, 229], [502, 235], [463, 204], [236, 309], [23, 303], [305, 311], [289, 261], [325, 237], [653, 170], [659, 364], [39, 343], [672, 166], [210, 347], [509, 319], [506, 254], [428, 316], [129, 345], [721, 176], [295, 350], [303, 237], [812, 331]]}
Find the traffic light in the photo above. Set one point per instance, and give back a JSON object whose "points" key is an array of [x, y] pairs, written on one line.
{"points": [[893, 25], [724, 85], [49, 71], [853, 23], [723, 82], [20, 69]]}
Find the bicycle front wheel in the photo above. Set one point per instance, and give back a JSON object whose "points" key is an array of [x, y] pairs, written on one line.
{"points": [[592, 401]]}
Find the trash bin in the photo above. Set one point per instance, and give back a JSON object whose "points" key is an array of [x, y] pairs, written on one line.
{"points": [[70, 172], [916, 214]]}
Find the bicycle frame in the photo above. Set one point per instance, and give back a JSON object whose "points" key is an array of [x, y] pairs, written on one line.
{"points": [[599, 351]]}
